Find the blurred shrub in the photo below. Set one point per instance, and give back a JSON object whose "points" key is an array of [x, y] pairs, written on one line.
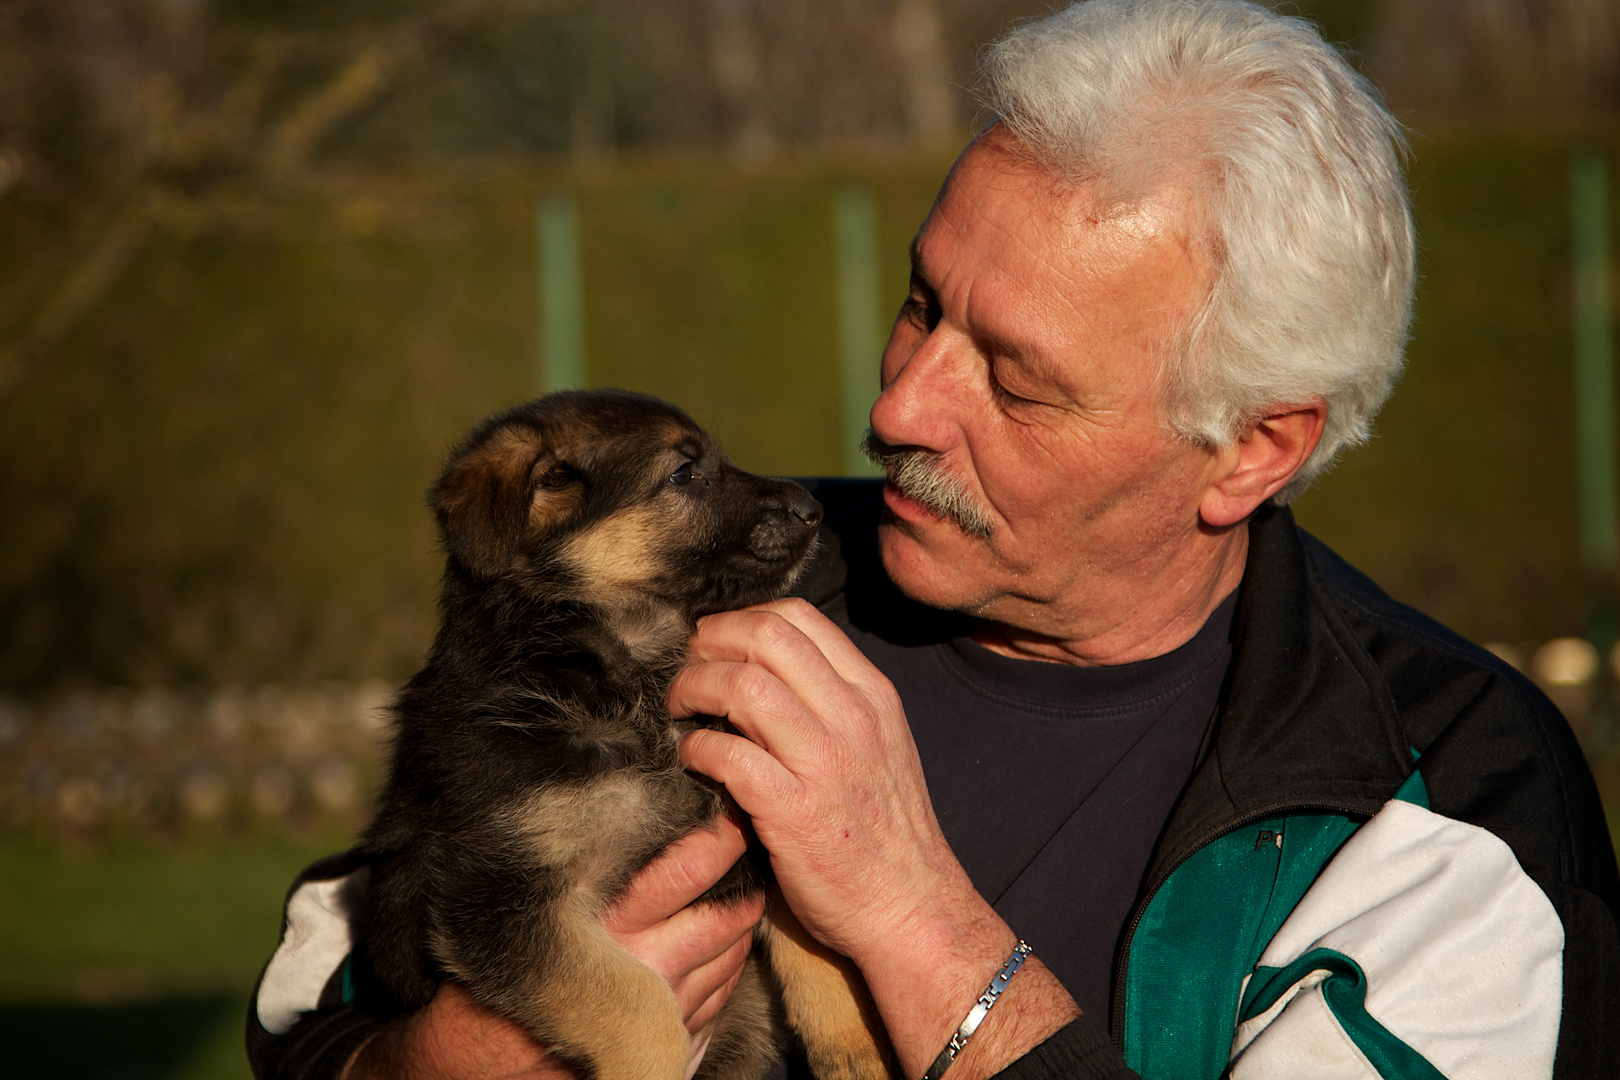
{"points": [[1464, 501], [219, 474]]}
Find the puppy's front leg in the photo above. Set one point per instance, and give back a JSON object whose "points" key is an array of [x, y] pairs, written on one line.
{"points": [[825, 1001], [593, 1003]]}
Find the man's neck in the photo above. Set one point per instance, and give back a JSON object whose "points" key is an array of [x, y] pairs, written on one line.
{"points": [[1128, 633]]}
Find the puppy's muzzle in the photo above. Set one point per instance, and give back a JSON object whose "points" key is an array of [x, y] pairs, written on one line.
{"points": [[787, 525]]}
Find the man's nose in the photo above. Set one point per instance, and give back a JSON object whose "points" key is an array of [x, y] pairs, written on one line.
{"points": [[922, 397]]}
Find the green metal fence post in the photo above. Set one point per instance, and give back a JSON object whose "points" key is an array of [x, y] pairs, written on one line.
{"points": [[562, 295], [860, 321], [1594, 403]]}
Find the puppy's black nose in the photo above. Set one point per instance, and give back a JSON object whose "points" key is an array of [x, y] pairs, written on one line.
{"points": [[784, 523], [806, 509]]}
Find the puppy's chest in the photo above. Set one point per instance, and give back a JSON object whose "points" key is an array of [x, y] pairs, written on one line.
{"points": [[607, 823]]}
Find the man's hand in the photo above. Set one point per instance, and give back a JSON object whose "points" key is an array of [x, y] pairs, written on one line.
{"points": [[699, 950], [830, 776], [828, 771]]}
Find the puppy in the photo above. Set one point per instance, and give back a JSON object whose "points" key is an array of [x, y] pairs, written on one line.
{"points": [[534, 766]]}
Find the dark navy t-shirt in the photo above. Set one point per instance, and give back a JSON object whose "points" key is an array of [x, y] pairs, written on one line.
{"points": [[1052, 782]]}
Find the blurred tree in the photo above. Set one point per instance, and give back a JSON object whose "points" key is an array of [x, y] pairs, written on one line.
{"points": [[1496, 60], [739, 74], [118, 117], [919, 39], [122, 118]]}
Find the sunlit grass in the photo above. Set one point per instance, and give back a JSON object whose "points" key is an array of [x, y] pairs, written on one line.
{"points": [[136, 959], [135, 919]]}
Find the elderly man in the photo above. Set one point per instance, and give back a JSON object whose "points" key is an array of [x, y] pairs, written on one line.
{"points": [[1073, 676]]}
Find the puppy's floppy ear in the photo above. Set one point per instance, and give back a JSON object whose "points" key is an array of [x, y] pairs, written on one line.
{"points": [[492, 492]]}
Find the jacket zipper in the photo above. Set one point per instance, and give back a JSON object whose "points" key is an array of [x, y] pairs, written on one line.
{"points": [[1117, 1022]]}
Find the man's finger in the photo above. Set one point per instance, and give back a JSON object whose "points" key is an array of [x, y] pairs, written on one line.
{"points": [[686, 870], [757, 703], [705, 990], [756, 635], [694, 936], [764, 638], [761, 784], [850, 663]]}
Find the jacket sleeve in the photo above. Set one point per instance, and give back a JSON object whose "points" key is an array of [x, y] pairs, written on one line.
{"points": [[1081, 1051], [304, 1022], [1422, 952]]}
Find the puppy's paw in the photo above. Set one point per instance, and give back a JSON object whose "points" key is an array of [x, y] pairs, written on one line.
{"points": [[826, 1003], [854, 1058]]}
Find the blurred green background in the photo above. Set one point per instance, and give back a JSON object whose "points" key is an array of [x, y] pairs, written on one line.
{"points": [[262, 261]]}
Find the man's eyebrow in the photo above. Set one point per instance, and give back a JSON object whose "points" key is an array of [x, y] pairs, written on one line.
{"points": [[918, 271], [997, 345], [994, 343]]}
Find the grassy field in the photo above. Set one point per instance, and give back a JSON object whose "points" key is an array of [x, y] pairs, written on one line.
{"points": [[135, 960]]}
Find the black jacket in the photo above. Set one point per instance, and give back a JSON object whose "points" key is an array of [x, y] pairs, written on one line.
{"points": [[1339, 700]]}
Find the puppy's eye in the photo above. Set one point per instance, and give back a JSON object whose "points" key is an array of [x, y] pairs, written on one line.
{"points": [[560, 476], [683, 475]]}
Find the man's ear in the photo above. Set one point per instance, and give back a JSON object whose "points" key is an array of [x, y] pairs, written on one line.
{"points": [[1264, 457], [493, 493]]}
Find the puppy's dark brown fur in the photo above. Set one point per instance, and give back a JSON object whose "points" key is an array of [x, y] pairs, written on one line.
{"points": [[534, 767]]}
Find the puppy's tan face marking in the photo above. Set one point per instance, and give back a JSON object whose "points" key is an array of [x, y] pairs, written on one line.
{"points": [[623, 554], [619, 553]]}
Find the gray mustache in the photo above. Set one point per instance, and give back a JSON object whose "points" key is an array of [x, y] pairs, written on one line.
{"points": [[922, 475]]}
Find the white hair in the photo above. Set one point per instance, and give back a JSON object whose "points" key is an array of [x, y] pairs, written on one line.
{"points": [[1294, 170]]}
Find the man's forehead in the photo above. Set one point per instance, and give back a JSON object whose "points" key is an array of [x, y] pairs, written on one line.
{"points": [[1035, 205], [1160, 217]]}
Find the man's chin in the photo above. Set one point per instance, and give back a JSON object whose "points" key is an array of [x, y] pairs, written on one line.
{"points": [[931, 562]]}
